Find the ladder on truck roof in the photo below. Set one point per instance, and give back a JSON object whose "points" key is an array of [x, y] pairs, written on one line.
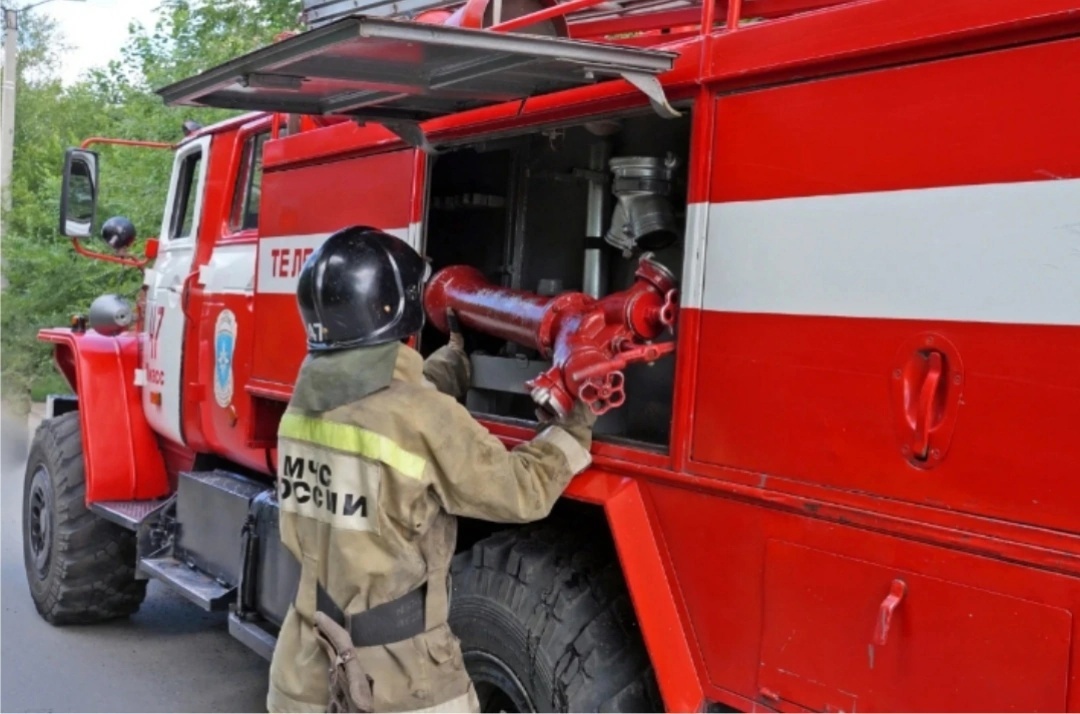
{"points": [[587, 18], [317, 13], [400, 73]]}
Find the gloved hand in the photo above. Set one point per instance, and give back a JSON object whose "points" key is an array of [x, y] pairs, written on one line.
{"points": [[457, 340], [579, 422], [448, 368]]}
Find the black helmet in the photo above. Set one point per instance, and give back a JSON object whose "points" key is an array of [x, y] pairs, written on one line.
{"points": [[118, 232], [361, 287]]}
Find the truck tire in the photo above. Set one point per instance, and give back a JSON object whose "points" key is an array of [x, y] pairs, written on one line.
{"points": [[546, 624], [81, 568]]}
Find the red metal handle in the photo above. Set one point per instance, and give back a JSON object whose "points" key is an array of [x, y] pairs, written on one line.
{"points": [[185, 293], [126, 260], [924, 417], [885, 613]]}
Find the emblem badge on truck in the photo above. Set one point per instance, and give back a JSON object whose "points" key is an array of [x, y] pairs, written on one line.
{"points": [[224, 344]]}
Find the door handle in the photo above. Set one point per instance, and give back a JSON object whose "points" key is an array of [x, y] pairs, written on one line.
{"points": [[177, 285], [924, 413], [927, 386], [886, 611], [183, 289]]}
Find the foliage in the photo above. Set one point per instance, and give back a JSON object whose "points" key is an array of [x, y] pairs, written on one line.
{"points": [[46, 281]]}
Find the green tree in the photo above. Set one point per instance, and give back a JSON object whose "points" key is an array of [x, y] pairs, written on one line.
{"points": [[46, 281]]}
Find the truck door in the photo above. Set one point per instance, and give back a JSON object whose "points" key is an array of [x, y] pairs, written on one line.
{"points": [[222, 340], [163, 355]]}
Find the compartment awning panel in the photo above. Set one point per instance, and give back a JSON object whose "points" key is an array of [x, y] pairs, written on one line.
{"points": [[402, 70]]}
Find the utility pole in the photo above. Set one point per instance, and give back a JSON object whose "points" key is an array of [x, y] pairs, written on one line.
{"points": [[7, 119]]}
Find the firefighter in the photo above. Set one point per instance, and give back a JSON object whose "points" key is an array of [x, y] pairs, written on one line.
{"points": [[376, 458]]}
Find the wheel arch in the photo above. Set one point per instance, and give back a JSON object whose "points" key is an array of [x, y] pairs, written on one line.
{"points": [[654, 594], [121, 456], [79, 566], [618, 502]]}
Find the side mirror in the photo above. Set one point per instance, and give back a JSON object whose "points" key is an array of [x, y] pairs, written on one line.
{"points": [[78, 193]]}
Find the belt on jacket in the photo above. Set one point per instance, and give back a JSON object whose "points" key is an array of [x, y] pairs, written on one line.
{"points": [[400, 619]]}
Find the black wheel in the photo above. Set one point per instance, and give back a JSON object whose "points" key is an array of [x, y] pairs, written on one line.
{"points": [[546, 624], [80, 567]]}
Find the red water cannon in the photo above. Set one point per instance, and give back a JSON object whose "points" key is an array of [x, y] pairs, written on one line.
{"points": [[589, 341]]}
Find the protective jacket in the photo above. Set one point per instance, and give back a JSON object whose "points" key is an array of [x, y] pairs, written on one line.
{"points": [[375, 459]]}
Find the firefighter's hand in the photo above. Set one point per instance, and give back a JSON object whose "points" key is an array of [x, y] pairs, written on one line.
{"points": [[448, 367], [578, 422], [457, 340]]}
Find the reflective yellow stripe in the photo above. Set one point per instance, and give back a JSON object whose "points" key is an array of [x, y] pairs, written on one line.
{"points": [[353, 440]]}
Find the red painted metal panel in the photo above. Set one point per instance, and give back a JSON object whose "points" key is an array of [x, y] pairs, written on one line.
{"points": [[325, 197], [639, 546], [320, 199], [783, 8], [879, 32], [991, 118], [688, 331], [418, 189], [178, 459], [848, 635], [608, 456], [225, 429], [282, 346], [717, 546], [808, 398], [224, 126], [120, 451], [1057, 551], [334, 140]]}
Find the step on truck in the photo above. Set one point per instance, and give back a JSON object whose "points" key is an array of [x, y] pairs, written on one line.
{"points": [[814, 262]]}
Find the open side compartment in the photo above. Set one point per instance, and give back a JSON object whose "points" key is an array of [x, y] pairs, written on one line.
{"points": [[531, 212]]}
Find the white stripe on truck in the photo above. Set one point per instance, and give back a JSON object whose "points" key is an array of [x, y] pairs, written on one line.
{"points": [[282, 257], [1006, 253]]}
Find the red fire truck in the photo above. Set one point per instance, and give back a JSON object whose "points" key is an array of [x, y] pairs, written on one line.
{"points": [[822, 260]]}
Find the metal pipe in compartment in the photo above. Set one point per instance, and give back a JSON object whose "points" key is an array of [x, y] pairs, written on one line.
{"points": [[594, 279]]}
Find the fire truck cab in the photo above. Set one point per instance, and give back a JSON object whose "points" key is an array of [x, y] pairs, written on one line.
{"points": [[839, 482]]}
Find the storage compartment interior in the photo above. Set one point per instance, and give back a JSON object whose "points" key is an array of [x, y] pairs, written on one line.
{"points": [[520, 210]]}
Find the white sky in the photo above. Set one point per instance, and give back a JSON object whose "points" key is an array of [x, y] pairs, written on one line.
{"points": [[96, 30]]}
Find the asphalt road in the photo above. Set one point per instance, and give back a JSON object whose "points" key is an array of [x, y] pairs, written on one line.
{"points": [[170, 656]]}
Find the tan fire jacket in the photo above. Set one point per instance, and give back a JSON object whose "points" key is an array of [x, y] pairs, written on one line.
{"points": [[368, 491]]}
